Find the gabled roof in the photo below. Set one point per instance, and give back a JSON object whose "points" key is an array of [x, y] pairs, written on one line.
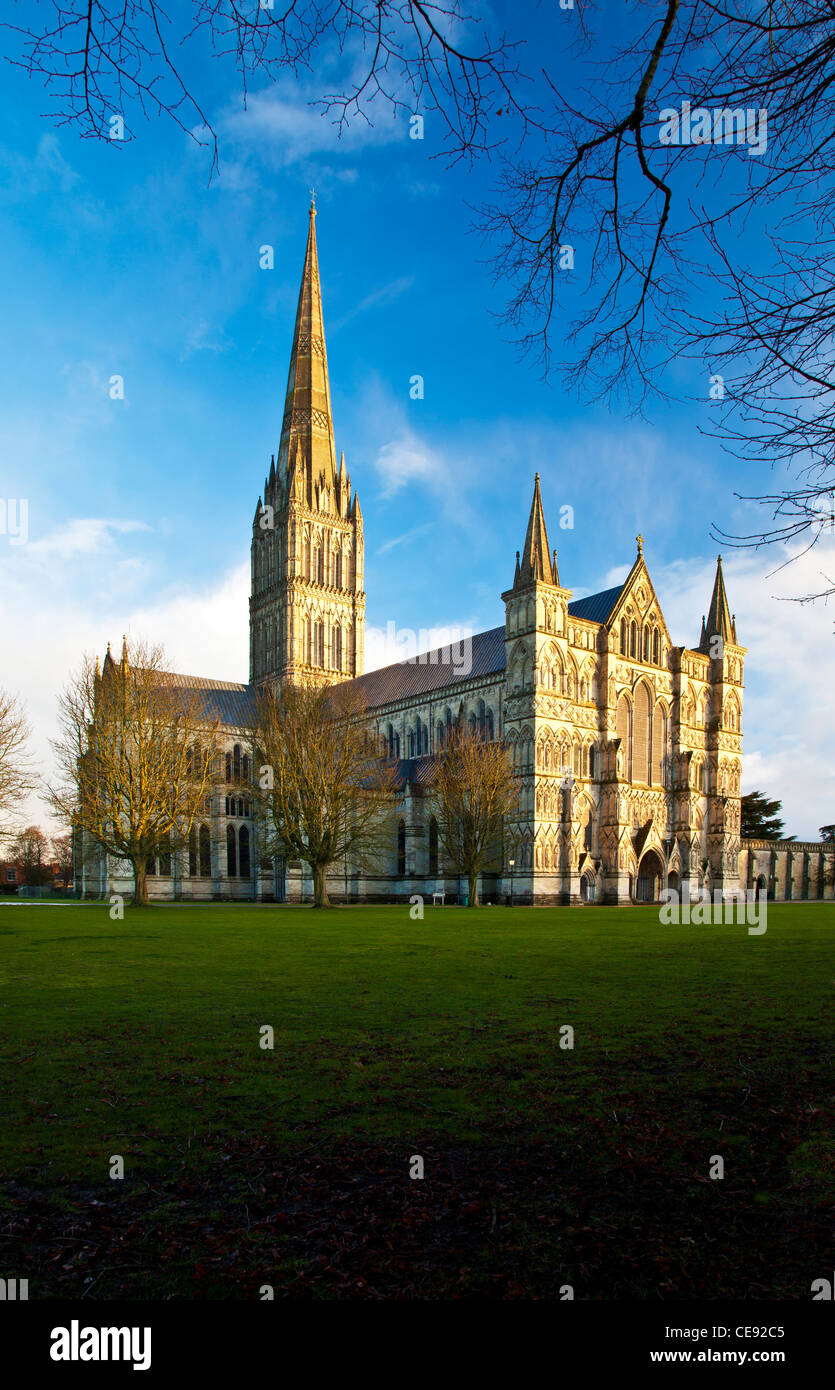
{"points": [[234, 704], [229, 701], [432, 671], [596, 607]]}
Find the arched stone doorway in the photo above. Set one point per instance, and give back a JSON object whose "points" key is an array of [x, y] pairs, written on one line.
{"points": [[762, 886], [673, 882], [587, 888], [650, 878]]}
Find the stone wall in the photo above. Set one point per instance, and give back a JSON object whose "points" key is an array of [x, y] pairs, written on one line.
{"points": [[790, 870]]}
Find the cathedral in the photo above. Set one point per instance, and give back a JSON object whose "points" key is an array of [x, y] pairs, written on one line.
{"points": [[627, 747]]}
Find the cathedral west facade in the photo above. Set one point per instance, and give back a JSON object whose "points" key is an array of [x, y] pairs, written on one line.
{"points": [[627, 747]]}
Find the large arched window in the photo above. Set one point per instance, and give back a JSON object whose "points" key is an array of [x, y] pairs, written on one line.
{"points": [[336, 652], [433, 846], [623, 729], [659, 744], [243, 857], [656, 647], [205, 843], [633, 640], [236, 762], [229, 767], [338, 570], [641, 735], [646, 642], [245, 767], [624, 640], [231, 852], [401, 846]]}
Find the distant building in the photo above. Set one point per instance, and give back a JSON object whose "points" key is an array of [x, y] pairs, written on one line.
{"points": [[627, 746], [10, 877]]}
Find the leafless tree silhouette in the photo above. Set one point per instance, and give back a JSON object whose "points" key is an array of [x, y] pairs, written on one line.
{"points": [[714, 252]]}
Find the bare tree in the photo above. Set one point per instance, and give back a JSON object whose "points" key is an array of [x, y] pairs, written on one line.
{"points": [[324, 791], [62, 855], [695, 179], [708, 239], [473, 788], [16, 775], [136, 753], [30, 853], [106, 59]]}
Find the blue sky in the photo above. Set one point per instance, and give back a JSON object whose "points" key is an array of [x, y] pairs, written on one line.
{"points": [[123, 258]]}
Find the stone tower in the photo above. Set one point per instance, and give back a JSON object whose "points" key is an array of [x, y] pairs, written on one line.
{"points": [[539, 705], [723, 735], [307, 606]]}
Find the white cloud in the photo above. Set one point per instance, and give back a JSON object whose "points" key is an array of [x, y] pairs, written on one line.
{"points": [[789, 671], [49, 158], [393, 543], [82, 536], [385, 646], [408, 459], [284, 130], [31, 175], [205, 632], [202, 337], [385, 295], [53, 613]]}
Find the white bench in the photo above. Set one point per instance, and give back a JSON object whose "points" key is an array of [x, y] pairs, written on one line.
{"points": [[436, 897]]}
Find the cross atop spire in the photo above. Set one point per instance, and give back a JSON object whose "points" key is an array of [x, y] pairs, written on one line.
{"points": [[307, 441], [536, 556]]}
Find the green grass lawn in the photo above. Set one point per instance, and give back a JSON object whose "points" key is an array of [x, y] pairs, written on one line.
{"points": [[396, 1037]]}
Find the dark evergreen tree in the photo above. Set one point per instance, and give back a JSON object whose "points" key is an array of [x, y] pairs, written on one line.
{"points": [[761, 818]]}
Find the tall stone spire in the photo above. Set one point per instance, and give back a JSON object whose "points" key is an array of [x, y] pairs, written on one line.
{"points": [[535, 561], [719, 621], [307, 602], [307, 443]]}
